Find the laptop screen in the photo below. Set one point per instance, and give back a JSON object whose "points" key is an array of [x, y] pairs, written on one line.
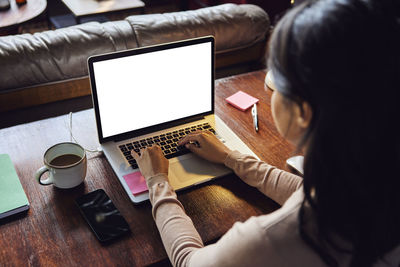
{"points": [[152, 87]]}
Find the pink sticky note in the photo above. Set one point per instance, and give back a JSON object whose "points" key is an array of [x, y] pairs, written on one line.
{"points": [[241, 100], [136, 182]]}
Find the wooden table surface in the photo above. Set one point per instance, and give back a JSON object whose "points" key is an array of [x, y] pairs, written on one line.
{"points": [[17, 15], [54, 233]]}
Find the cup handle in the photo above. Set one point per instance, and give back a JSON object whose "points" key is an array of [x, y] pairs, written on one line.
{"points": [[39, 174]]}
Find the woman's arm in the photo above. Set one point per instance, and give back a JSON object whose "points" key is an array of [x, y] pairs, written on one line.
{"points": [[245, 244], [180, 238], [177, 231], [277, 184]]}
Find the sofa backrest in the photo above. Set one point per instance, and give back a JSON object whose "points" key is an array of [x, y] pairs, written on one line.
{"points": [[32, 60]]}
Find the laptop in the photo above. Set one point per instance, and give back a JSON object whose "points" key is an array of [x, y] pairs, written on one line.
{"points": [[157, 95]]}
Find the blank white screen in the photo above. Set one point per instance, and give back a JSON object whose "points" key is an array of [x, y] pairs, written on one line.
{"points": [[138, 91]]}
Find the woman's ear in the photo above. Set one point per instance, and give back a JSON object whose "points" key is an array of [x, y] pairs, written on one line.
{"points": [[303, 115]]}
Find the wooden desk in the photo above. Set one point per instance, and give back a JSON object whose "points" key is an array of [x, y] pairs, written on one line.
{"points": [[53, 232]]}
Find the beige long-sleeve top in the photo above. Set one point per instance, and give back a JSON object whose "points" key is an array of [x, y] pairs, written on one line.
{"points": [[268, 240]]}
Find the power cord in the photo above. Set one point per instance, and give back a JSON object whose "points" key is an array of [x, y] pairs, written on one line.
{"points": [[72, 138]]}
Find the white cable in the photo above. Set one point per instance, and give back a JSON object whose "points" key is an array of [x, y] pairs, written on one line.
{"points": [[72, 138]]}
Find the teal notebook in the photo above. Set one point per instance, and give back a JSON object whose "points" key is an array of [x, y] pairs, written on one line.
{"points": [[12, 196]]}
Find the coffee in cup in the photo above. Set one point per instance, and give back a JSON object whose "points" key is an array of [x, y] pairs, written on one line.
{"points": [[66, 164]]}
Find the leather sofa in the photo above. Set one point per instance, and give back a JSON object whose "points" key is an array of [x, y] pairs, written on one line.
{"points": [[51, 66]]}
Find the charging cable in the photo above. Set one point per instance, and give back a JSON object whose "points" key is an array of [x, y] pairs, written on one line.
{"points": [[72, 138]]}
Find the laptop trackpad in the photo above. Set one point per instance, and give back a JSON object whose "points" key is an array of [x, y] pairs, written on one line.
{"points": [[191, 170]]}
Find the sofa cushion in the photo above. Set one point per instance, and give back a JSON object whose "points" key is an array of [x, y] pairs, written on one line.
{"points": [[233, 26], [61, 54]]}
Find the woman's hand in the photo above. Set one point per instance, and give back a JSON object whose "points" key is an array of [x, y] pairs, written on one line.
{"points": [[151, 161], [206, 145]]}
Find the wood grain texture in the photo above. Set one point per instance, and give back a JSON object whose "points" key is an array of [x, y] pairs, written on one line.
{"points": [[266, 143], [54, 233], [44, 93]]}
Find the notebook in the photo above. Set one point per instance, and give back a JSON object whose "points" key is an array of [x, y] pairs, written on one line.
{"points": [[241, 100], [156, 95], [12, 196]]}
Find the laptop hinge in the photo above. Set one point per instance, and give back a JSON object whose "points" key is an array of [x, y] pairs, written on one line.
{"points": [[156, 128]]}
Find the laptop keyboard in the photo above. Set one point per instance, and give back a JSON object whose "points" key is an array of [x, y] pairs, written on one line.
{"points": [[168, 143]]}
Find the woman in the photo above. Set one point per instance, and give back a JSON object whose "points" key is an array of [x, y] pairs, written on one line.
{"points": [[336, 66]]}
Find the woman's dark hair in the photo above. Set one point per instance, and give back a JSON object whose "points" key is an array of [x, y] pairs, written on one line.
{"points": [[343, 58]]}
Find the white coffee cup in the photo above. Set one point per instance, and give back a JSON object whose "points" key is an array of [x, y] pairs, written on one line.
{"points": [[66, 164]]}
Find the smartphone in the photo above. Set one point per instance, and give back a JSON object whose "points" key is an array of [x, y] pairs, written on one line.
{"points": [[103, 217]]}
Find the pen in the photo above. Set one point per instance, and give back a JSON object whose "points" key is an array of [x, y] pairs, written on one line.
{"points": [[255, 119]]}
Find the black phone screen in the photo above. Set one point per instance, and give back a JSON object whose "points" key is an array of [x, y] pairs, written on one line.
{"points": [[102, 216]]}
